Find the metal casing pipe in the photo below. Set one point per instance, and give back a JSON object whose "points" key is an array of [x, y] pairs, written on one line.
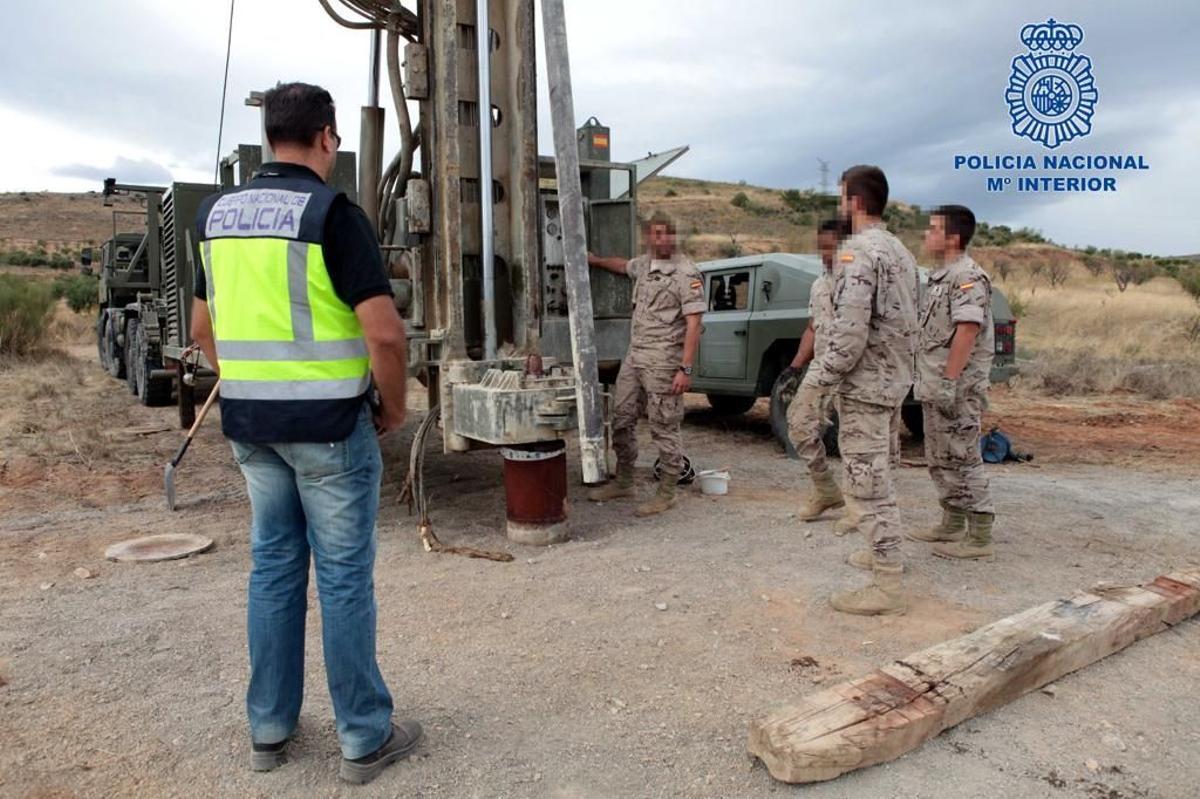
{"points": [[487, 222]]}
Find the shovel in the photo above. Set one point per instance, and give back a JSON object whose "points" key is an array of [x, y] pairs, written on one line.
{"points": [[169, 471]]}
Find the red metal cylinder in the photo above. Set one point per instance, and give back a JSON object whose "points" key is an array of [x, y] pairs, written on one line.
{"points": [[535, 483]]}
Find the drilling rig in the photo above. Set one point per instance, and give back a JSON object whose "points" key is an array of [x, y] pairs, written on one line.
{"points": [[485, 244]]}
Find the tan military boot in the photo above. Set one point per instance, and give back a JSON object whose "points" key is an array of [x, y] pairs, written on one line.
{"points": [[862, 559], [847, 524], [883, 597], [618, 487], [953, 527], [825, 495], [978, 543], [663, 499]]}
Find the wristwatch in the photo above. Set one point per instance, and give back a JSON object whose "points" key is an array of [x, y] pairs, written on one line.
{"points": [[687, 370]]}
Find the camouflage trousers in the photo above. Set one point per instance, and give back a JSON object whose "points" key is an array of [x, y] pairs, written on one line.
{"points": [[865, 435], [647, 390], [952, 450], [807, 419]]}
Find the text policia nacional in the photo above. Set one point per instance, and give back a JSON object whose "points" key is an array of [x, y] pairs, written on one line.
{"points": [[1066, 169]]}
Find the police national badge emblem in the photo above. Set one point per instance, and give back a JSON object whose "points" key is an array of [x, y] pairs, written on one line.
{"points": [[1051, 93]]}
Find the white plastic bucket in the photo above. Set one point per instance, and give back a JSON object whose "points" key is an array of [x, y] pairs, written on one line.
{"points": [[714, 482]]}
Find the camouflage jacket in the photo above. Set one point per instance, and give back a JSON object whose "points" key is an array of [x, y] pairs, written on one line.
{"points": [[820, 311], [664, 293], [959, 291], [871, 340]]}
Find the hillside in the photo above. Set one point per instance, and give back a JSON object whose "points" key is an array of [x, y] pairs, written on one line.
{"points": [[1090, 321], [59, 222]]}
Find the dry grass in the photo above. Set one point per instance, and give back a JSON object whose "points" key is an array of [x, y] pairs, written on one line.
{"points": [[1087, 337]]}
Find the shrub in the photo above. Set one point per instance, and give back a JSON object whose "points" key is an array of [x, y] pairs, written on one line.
{"points": [[1189, 279], [671, 193], [1019, 304], [80, 291], [25, 310], [731, 249], [740, 200]]}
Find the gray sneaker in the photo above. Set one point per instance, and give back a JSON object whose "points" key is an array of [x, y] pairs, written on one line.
{"points": [[268, 757], [403, 740]]}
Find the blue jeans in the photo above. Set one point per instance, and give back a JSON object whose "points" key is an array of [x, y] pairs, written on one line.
{"points": [[318, 499]]}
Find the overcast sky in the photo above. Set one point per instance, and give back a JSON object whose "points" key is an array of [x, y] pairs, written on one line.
{"points": [[760, 90]]}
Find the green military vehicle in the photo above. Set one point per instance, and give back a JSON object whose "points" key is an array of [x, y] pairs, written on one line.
{"points": [[757, 312]]}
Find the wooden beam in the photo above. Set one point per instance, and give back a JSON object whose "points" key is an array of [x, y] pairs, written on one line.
{"points": [[897, 708]]}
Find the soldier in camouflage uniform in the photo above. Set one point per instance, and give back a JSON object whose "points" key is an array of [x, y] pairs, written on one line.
{"points": [[809, 411], [868, 361], [954, 359], [668, 300]]}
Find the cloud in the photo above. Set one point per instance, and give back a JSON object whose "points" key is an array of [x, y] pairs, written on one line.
{"points": [[125, 170], [759, 90]]}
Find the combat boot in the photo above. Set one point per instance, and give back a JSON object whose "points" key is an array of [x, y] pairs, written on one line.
{"points": [[618, 487], [978, 543], [663, 499], [824, 496], [883, 597], [864, 559], [847, 524], [953, 527]]}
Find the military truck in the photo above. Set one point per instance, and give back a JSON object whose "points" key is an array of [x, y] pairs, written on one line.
{"points": [[757, 312], [139, 296]]}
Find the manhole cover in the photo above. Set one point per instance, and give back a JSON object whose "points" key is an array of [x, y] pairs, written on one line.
{"points": [[169, 546]]}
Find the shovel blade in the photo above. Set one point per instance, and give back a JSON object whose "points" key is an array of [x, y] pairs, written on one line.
{"points": [[169, 484]]}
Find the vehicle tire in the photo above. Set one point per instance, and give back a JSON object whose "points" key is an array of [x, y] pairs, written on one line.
{"points": [[133, 330], [781, 397], [782, 393], [730, 404], [101, 345], [114, 362], [914, 419], [155, 392]]}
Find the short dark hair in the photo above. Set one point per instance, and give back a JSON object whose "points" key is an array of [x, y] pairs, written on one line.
{"points": [[959, 221], [659, 218], [293, 113], [869, 185], [837, 226]]}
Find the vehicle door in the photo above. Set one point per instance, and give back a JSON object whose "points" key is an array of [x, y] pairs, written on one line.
{"points": [[725, 331]]}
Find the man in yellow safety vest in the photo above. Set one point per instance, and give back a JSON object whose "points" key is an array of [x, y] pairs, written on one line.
{"points": [[294, 309]]}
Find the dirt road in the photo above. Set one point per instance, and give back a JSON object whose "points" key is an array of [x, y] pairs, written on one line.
{"points": [[558, 675]]}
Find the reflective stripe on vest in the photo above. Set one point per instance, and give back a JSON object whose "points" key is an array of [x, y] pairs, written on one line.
{"points": [[281, 330]]}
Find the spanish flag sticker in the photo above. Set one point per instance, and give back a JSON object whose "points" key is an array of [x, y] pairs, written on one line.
{"points": [[696, 284], [847, 258], [966, 286]]}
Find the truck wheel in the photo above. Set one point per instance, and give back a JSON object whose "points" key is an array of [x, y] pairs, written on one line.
{"points": [[914, 420], [155, 392], [114, 362], [730, 404], [781, 396], [101, 345], [133, 330]]}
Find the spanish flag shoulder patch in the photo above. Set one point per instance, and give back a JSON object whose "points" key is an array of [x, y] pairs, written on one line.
{"points": [[697, 284], [847, 257], [966, 286]]}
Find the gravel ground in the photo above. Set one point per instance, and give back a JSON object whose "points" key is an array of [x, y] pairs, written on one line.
{"points": [[560, 674]]}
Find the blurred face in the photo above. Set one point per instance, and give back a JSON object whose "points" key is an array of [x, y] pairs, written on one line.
{"points": [[936, 244], [827, 244], [662, 240]]}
